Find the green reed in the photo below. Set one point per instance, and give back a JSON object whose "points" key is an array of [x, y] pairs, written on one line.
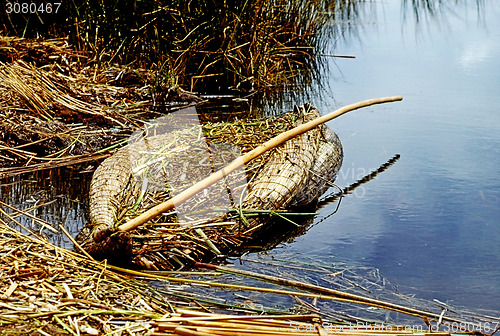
{"points": [[204, 46]]}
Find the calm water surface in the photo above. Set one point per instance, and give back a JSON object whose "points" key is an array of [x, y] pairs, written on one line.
{"points": [[431, 222]]}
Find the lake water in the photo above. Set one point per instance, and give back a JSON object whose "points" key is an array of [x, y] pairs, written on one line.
{"points": [[431, 222]]}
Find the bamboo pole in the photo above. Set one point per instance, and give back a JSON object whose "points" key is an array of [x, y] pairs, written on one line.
{"points": [[242, 160]]}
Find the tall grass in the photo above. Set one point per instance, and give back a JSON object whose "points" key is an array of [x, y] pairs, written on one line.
{"points": [[205, 46], [209, 45]]}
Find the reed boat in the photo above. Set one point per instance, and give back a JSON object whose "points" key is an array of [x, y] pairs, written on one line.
{"points": [[155, 166]]}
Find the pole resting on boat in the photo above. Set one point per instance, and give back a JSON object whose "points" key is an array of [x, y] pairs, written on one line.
{"points": [[242, 160]]}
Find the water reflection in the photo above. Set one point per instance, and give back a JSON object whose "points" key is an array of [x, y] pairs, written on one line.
{"points": [[430, 223], [57, 196], [423, 10]]}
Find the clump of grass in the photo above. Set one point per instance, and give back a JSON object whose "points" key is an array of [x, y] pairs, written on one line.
{"points": [[259, 45], [202, 46]]}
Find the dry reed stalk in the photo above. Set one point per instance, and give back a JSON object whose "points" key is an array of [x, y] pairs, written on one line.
{"points": [[40, 93], [343, 296], [313, 291], [22, 153], [42, 222], [185, 322], [62, 162], [46, 289]]}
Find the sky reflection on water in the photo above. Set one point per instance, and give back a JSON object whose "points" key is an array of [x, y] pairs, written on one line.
{"points": [[431, 221]]}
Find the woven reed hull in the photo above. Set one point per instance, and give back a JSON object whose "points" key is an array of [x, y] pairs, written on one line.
{"points": [[324, 170], [114, 188], [299, 171], [294, 174]]}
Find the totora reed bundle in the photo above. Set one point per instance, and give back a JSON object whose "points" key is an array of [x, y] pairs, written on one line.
{"points": [[136, 177]]}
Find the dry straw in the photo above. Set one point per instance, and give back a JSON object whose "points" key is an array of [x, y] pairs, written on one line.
{"points": [[50, 291], [41, 94]]}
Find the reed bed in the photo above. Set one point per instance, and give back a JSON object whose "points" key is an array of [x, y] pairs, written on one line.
{"points": [[248, 47], [55, 111], [47, 290]]}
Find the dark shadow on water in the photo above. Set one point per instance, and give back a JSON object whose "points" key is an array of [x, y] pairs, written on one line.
{"points": [[58, 196], [278, 231], [425, 10]]}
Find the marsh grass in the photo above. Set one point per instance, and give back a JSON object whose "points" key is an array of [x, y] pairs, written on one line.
{"points": [[204, 46], [211, 45], [275, 48]]}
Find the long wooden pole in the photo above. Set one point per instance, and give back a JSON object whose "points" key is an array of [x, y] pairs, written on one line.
{"points": [[242, 160]]}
